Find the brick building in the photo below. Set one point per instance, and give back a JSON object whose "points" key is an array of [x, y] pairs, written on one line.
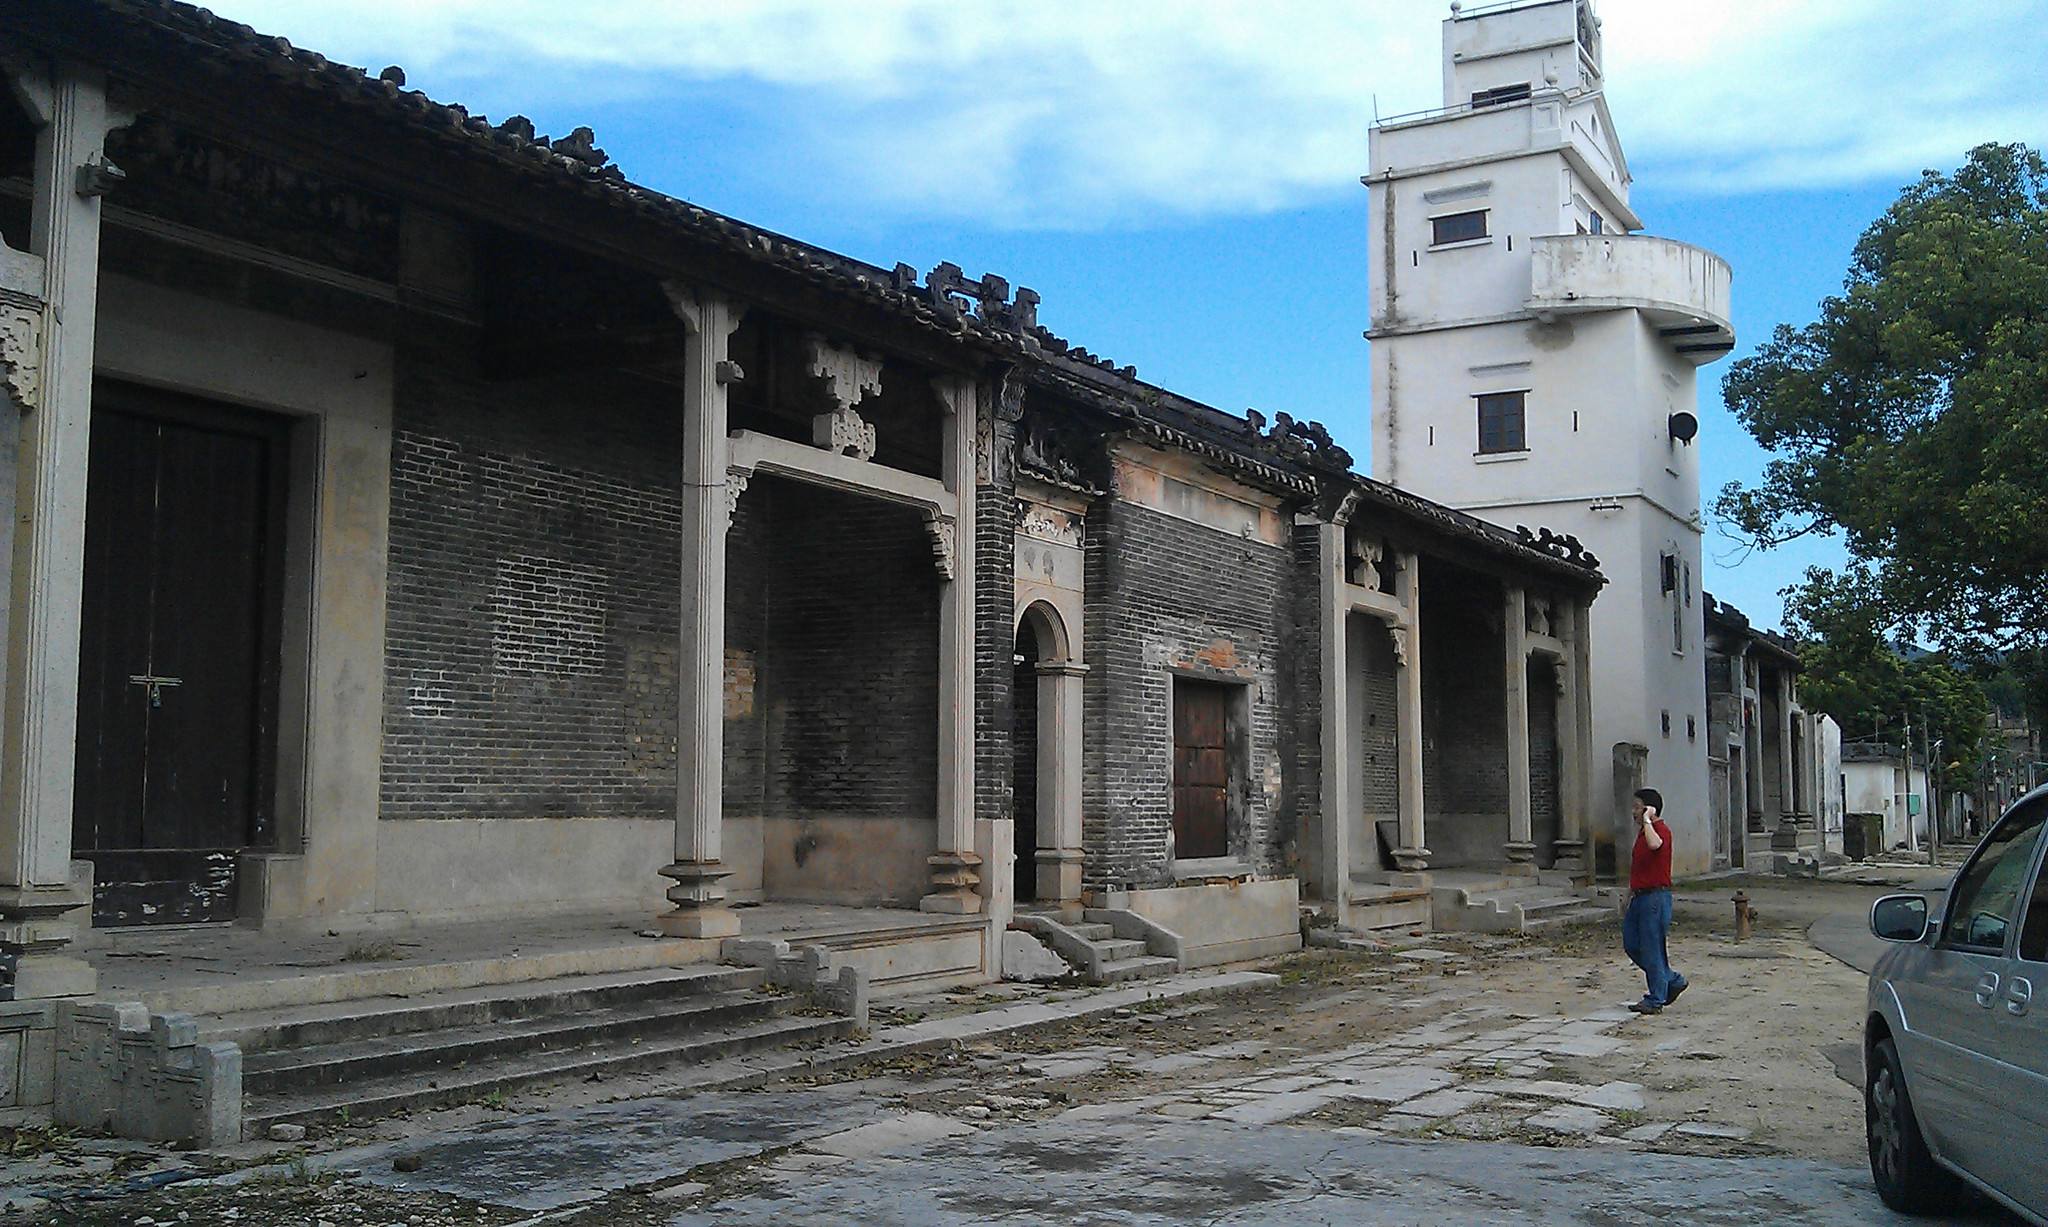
{"points": [[474, 533]]}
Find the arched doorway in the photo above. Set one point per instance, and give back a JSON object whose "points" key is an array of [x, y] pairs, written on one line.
{"points": [[1046, 749]]}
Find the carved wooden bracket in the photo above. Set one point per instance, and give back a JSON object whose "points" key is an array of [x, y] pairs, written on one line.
{"points": [[21, 352], [1398, 635]]}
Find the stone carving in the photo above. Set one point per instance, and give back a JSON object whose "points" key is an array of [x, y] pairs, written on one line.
{"points": [[845, 433], [1365, 562], [953, 297], [1308, 442], [140, 1075], [735, 485], [940, 529], [21, 351], [849, 377], [1042, 523], [1561, 546], [1399, 637], [1536, 616]]}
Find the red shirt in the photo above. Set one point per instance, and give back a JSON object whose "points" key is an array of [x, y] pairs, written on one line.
{"points": [[1649, 869]]}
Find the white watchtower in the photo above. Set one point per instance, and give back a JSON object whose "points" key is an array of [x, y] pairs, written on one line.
{"points": [[1534, 363]]}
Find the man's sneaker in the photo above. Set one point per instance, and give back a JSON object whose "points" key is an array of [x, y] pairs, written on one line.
{"points": [[1646, 1007], [1673, 990]]}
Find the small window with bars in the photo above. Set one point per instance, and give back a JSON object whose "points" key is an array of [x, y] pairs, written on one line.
{"points": [[1457, 227], [1500, 95], [1502, 422]]}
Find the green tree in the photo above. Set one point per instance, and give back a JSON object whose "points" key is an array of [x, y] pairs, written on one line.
{"points": [[1912, 415], [1851, 671]]}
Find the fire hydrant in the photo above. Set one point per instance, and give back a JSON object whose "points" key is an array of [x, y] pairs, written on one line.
{"points": [[1745, 916]]}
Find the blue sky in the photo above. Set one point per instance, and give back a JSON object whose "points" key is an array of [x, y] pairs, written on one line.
{"points": [[1179, 178]]}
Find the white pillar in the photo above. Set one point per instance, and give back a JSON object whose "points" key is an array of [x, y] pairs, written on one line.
{"points": [[1521, 847], [1575, 771], [698, 870], [955, 866], [1413, 854], [1333, 850], [1059, 781], [38, 731]]}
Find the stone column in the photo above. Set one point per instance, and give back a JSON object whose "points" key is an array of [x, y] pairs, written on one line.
{"points": [[956, 869], [47, 562], [1521, 847], [1059, 779], [1787, 783], [1333, 850], [1413, 854], [698, 870], [1573, 735]]}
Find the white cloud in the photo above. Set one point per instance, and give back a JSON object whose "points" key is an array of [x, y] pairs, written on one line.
{"points": [[1079, 113]]}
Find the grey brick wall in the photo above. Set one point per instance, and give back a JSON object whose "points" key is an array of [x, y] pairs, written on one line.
{"points": [[1543, 759], [849, 673], [995, 547], [1166, 593], [1379, 761], [531, 628], [1464, 717]]}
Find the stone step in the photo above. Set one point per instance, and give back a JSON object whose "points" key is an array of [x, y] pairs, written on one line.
{"points": [[337, 1022], [1582, 915], [1092, 931], [1391, 914], [421, 1053], [382, 1096], [1547, 904], [1147, 967], [1117, 949]]}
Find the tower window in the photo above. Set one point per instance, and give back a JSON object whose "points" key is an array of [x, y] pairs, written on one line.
{"points": [[1457, 227], [1500, 95], [1503, 422], [1599, 226]]}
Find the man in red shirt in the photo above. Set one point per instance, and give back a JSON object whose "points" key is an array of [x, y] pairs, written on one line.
{"points": [[1647, 926]]}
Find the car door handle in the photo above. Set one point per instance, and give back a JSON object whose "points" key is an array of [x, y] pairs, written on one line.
{"points": [[2019, 994], [1987, 989]]}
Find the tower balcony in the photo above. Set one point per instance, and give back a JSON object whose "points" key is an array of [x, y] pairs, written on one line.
{"points": [[1681, 290]]}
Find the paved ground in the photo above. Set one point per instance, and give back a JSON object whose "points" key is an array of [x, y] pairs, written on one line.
{"points": [[1462, 1080]]}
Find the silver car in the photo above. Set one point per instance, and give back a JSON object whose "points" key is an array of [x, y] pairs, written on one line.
{"points": [[1955, 1044]]}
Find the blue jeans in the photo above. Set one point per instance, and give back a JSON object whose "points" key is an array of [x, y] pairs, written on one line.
{"points": [[1643, 934]]}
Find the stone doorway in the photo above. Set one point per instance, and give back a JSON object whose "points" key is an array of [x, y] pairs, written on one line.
{"points": [[1024, 738], [1046, 758]]}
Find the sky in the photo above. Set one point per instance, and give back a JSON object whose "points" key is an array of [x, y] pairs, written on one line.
{"points": [[1178, 179]]}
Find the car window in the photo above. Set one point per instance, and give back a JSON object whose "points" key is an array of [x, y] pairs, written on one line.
{"points": [[1986, 898], [2034, 933]]}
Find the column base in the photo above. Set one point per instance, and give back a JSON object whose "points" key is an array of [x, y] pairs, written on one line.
{"points": [[1059, 875], [36, 944], [699, 922], [1570, 856], [1412, 860], [1519, 852], [956, 878], [699, 896]]}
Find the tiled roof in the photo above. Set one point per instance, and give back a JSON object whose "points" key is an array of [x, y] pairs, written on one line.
{"points": [[1292, 456]]}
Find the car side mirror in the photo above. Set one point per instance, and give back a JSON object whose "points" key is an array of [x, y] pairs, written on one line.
{"points": [[1899, 918]]}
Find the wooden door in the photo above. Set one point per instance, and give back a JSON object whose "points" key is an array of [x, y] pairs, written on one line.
{"points": [[178, 652], [1201, 770]]}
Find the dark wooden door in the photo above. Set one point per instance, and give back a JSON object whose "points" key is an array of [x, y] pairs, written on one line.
{"points": [[178, 652], [1201, 770]]}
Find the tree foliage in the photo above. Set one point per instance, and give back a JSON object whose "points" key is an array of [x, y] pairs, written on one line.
{"points": [[1912, 415], [1850, 670]]}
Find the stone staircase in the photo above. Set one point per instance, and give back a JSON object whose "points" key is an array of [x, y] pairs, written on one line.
{"points": [[1512, 904], [349, 1060], [1094, 949], [1381, 907]]}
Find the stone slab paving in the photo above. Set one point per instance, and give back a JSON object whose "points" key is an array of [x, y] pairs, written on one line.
{"points": [[1155, 1171], [1432, 1075]]}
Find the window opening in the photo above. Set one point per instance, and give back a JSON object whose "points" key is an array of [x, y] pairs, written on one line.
{"points": [[1503, 425], [1457, 227], [1987, 895], [1500, 95]]}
